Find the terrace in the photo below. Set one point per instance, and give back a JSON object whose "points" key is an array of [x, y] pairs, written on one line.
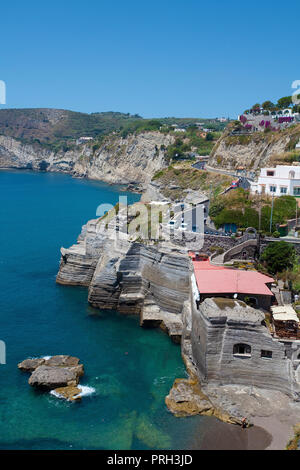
{"points": [[285, 322]]}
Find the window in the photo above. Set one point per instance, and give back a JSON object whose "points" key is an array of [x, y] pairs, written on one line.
{"points": [[283, 190], [273, 189], [266, 354], [270, 173], [297, 191], [241, 349]]}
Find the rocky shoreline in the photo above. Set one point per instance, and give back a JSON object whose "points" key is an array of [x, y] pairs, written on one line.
{"points": [[132, 160], [152, 280]]}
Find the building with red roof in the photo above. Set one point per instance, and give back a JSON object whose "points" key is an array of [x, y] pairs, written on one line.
{"points": [[219, 281]]}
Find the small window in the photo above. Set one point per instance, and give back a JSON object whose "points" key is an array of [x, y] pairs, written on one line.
{"points": [[273, 189], [266, 354], [283, 190], [297, 191], [270, 173], [242, 349]]}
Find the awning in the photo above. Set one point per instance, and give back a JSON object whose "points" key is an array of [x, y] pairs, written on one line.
{"points": [[284, 313]]}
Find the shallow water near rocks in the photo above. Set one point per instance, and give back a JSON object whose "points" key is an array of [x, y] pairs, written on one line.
{"points": [[129, 370]]}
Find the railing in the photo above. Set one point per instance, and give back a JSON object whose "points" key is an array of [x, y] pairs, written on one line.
{"points": [[287, 334]]}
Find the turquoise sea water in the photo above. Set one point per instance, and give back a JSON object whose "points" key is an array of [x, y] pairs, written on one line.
{"points": [[130, 368]]}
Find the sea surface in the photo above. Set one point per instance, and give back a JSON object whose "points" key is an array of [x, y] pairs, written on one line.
{"points": [[128, 370]]}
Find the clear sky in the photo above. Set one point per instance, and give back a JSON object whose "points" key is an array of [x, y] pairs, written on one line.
{"points": [[188, 58]]}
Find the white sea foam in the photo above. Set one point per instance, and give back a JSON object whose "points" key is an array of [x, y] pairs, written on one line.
{"points": [[40, 357], [85, 390], [55, 394]]}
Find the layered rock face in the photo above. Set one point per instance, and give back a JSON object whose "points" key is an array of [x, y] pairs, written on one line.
{"points": [[231, 345], [131, 277], [133, 159], [253, 151]]}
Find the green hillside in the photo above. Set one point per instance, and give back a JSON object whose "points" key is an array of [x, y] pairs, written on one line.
{"points": [[56, 126]]}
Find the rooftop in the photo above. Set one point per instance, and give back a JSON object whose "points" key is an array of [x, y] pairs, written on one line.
{"points": [[284, 313], [232, 311], [220, 280]]}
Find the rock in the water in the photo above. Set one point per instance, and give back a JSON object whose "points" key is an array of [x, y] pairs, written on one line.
{"points": [[49, 378], [60, 374], [29, 365], [186, 399], [62, 361], [70, 393]]}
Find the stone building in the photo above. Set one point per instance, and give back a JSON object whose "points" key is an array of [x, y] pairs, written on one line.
{"points": [[231, 344], [218, 281]]}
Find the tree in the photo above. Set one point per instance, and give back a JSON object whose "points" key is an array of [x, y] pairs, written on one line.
{"points": [[268, 105], [279, 256], [284, 102], [209, 136]]}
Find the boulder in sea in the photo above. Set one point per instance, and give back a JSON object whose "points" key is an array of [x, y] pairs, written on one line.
{"points": [[29, 365], [48, 378], [55, 372], [70, 393]]}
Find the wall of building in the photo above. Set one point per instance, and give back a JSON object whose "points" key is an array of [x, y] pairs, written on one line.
{"points": [[285, 176], [212, 347]]}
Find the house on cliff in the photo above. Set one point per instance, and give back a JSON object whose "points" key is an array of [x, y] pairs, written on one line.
{"points": [[231, 344], [218, 281], [279, 181]]}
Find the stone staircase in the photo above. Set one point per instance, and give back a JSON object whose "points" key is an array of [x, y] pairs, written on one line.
{"points": [[235, 250]]}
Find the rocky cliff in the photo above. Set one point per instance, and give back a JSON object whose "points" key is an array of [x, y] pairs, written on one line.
{"points": [[133, 159], [134, 278], [254, 150]]}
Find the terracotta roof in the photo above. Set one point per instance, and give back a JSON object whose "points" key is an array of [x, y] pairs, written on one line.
{"points": [[220, 280]]}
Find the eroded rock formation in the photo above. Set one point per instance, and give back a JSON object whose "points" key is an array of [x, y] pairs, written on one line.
{"points": [[133, 159], [134, 278], [59, 374]]}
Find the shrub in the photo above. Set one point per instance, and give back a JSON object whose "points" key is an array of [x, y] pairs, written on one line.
{"points": [[279, 256]]}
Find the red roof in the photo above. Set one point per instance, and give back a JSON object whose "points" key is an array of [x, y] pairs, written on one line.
{"points": [[220, 280]]}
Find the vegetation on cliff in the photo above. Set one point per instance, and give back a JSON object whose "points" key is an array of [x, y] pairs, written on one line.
{"points": [[180, 176], [279, 256], [244, 209], [255, 150], [58, 129], [282, 103]]}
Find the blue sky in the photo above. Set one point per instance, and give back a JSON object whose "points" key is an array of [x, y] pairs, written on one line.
{"points": [[189, 58]]}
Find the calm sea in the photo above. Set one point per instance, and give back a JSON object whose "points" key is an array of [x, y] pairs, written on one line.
{"points": [[129, 368]]}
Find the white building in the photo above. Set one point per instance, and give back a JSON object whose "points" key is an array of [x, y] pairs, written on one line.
{"points": [[83, 140], [279, 181]]}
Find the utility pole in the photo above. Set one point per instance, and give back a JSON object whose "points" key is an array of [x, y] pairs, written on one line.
{"points": [[259, 214], [271, 213]]}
